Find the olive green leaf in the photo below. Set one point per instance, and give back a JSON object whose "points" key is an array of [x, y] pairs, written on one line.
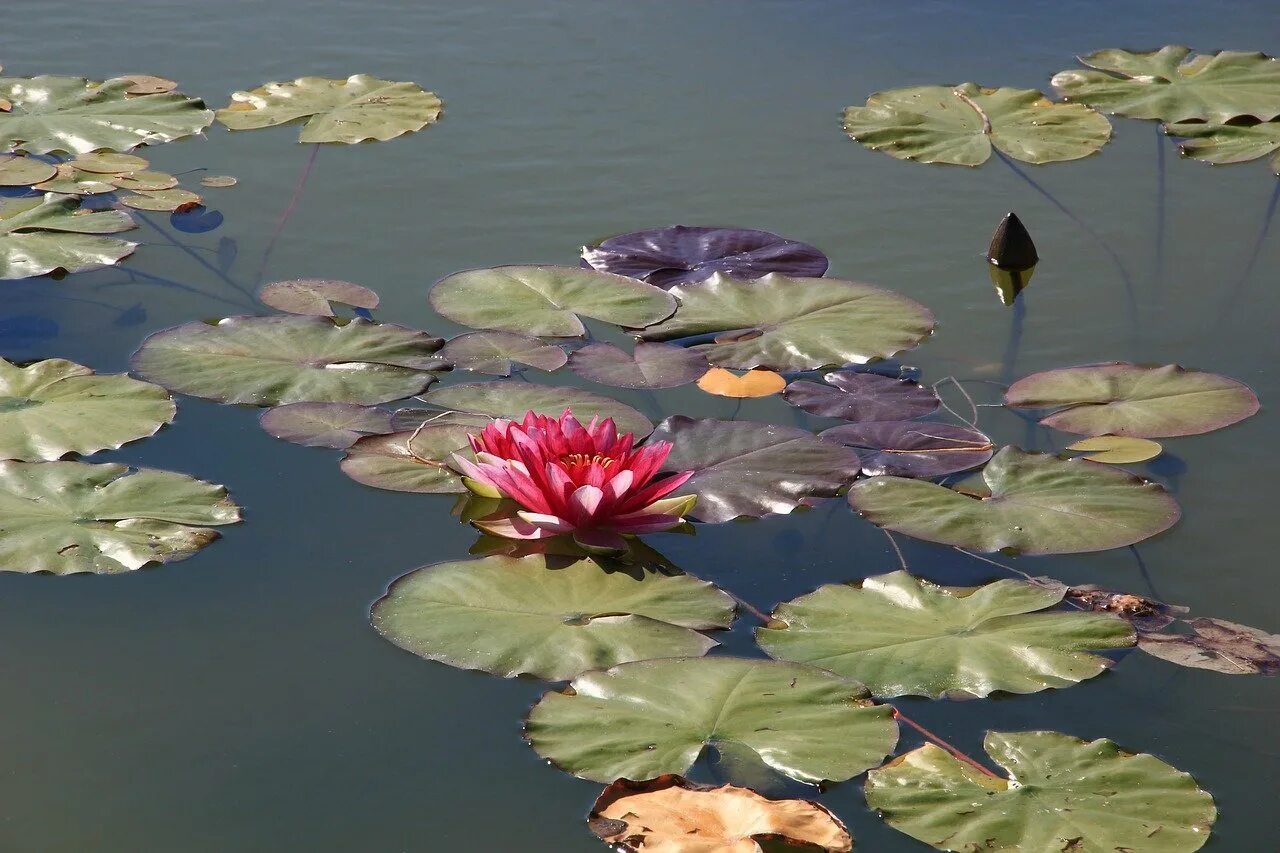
{"points": [[1062, 794], [1117, 449], [352, 110], [901, 635], [414, 460], [497, 353], [511, 399], [548, 617], [68, 517], [640, 720], [46, 233], [1039, 504], [54, 407], [314, 296], [18, 171], [1229, 143], [335, 425]]}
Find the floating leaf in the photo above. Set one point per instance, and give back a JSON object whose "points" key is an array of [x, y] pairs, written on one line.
{"points": [[641, 720], [54, 407], [753, 469], [1229, 143], [960, 124], [313, 296], [1117, 449], [47, 233], [513, 399], [18, 171], [550, 619], [921, 449], [753, 383], [144, 181], [1039, 504], [403, 420], [108, 163], [853, 396], [1118, 398], [336, 425], [1172, 84], [69, 181], [68, 517], [1144, 614], [1063, 794], [218, 181], [900, 635], [677, 816], [683, 254], [170, 201], [1218, 645], [409, 461], [76, 115], [352, 110], [148, 84], [547, 300], [496, 353], [649, 366], [789, 324], [266, 361]]}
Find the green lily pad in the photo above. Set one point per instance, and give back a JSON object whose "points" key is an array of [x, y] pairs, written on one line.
{"points": [[313, 296], [46, 233], [1172, 84], [54, 407], [335, 425], [539, 616], [410, 461], [169, 201], [109, 163], [144, 181], [1132, 400], [352, 110], [647, 366], [960, 125], [512, 400], [792, 324], [69, 181], [1229, 143], [547, 300], [640, 720], [68, 517], [1039, 504], [497, 353], [267, 361], [17, 171], [1062, 793], [903, 636], [76, 115]]}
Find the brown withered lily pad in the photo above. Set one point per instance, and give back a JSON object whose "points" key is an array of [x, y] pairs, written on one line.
{"points": [[1218, 645]]}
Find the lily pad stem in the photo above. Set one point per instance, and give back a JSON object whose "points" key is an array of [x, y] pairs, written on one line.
{"points": [[937, 741], [288, 211], [1008, 568]]}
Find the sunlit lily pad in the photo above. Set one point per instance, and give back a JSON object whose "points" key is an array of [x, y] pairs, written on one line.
{"points": [[336, 425], [1229, 143], [174, 200], [497, 353], [547, 300], [415, 460], [68, 517], [743, 468], [648, 366], [640, 720], [789, 324], [70, 181], [352, 110], [749, 385], [512, 399], [18, 171], [1039, 504], [313, 296], [1172, 84], [683, 254], [853, 396], [144, 181], [900, 635], [961, 124], [267, 361], [922, 449], [148, 84], [1132, 400], [1117, 449], [46, 233], [109, 163], [76, 115], [54, 407], [544, 618], [1062, 794]]}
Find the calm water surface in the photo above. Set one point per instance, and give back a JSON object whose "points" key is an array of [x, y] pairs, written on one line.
{"points": [[240, 701]]}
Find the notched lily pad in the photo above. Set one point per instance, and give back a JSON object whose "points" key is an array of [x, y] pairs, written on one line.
{"points": [[753, 383], [852, 396], [415, 460], [335, 425], [921, 449], [1117, 449], [511, 399], [497, 353], [648, 366], [313, 296], [51, 232]]}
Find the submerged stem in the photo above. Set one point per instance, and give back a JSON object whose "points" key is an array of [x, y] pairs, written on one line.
{"points": [[939, 742], [307, 169], [1238, 288]]}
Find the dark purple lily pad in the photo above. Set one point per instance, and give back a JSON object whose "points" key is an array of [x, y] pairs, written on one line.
{"points": [[336, 425], [313, 296], [743, 468], [853, 396], [496, 353], [682, 254], [920, 449], [651, 365]]}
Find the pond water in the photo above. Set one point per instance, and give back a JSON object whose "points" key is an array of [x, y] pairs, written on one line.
{"points": [[241, 701]]}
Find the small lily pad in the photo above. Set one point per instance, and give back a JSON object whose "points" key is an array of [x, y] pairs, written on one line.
{"points": [[853, 396], [1117, 449], [47, 233], [753, 383], [70, 182], [170, 201], [920, 449], [648, 366], [335, 425], [511, 399], [109, 163], [414, 460], [144, 181], [148, 84], [497, 353], [312, 296], [18, 171], [218, 181], [1229, 143]]}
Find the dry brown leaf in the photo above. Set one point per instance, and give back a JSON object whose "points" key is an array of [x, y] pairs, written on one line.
{"points": [[672, 815], [146, 84], [1218, 645], [753, 383], [5, 106]]}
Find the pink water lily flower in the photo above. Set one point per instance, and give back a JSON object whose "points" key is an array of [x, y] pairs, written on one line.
{"points": [[567, 478]]}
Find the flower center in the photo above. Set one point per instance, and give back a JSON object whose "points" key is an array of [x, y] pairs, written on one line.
{"points": [[583, 459]]}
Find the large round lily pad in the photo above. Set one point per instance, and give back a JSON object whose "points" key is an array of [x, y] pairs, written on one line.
{"points": [[1132, 400], [682, 254], [511, 399], [1229, 143], [547, 300], [1039, 504], [853, 396], [744, 468], [790, 324], [901, 635], [648, 366], [335, 425], [1062, 793], [1172, 84], [54, 407], [922, 449], [640, 720], [68, 517], [76, 115], [266, 361], [352, 110], [17, 171], [543, 617], [960, 125], [414, 460], [497, 353], [46, 233]]}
